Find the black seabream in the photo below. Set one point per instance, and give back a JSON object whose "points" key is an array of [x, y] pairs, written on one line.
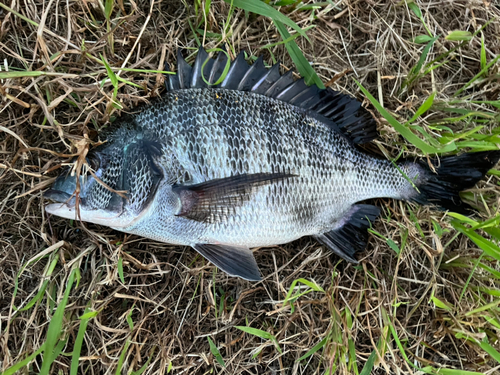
{"points": [[260, 159]]}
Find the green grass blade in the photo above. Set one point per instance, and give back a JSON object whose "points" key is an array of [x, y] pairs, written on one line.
{"points": [[462, 218], [483, 54], [26, 19], [492, 321], [144, 71], [55, 328], [129, 82], [49, 270], [494, 273], [403, 130], [310, 284], [226, 68], [352, 356], [414, 7], [224, 72], [421, 39], [129, 318], [122, 358], [262, 334], [58, 349], [90, 314], [144, 366], [423, 56], [415, 71], [440, 304], [108, 9], [423, 108], [303, 66], [207, 8], [256, 332], [393, 245], [486, 245], [215, 352], [483, 71], [385, 316], [494, 222], [484, 308], [290, 299], [459, 35], [29, 73], [19, 365], [36, 298], [111, 74], [368, 367], [469, 278], [448, 371], [485, 345], [291, 38], [259, 7], [120, 270], [77, 348], [314, 349]]}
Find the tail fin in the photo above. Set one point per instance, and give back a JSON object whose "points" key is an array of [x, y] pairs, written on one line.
{"points": [[454, 174]]}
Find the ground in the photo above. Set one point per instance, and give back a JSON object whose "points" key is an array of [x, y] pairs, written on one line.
{"points": [[80, 298]]}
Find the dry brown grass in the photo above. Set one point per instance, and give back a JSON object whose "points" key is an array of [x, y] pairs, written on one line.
{"points": [[171, 295]]}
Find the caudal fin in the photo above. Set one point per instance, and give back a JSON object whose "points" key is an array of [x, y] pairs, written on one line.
{"points": [[454, 174]]}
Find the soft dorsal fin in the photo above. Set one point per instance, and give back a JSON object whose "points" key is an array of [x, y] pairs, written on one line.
{"points": [[344, 111]]}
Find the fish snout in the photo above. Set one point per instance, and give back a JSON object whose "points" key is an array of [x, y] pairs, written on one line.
{"points": [[60, 197]]}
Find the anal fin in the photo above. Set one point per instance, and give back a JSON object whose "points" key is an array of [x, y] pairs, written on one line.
{"points": [[233, 260], [351, 234]]}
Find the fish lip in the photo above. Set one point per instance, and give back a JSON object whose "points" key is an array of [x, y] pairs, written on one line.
{"points": [[62, 209], [60, 196]]}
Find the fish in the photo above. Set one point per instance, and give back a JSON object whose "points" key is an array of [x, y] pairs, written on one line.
{"points": [[252, 158]]}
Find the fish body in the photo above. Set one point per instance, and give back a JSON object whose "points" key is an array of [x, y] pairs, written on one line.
{"points": [[259, 160], [216, 133]]}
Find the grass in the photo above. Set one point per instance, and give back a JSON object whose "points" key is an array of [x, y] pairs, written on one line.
{"points": [[81, 299]]}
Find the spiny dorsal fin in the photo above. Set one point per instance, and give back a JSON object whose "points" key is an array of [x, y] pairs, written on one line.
{"points": [[236, 72], [183, 71], [344, 111]]}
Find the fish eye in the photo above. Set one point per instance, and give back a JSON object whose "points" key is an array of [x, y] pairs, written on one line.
{"points": [[93, 161]]}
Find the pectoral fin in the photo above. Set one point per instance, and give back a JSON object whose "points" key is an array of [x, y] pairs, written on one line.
{"points": [[233, 260], [212, 201], [351, 234]]}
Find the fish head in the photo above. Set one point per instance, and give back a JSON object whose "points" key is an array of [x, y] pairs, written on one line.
{"points": [[115, 187]]}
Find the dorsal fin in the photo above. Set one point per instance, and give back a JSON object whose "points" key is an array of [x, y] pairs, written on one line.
{"points": [[236, 72], [254, 72], [344, 111], [202, 62], [183, 71]]}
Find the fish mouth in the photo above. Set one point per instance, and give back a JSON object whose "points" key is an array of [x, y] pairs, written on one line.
{"points": [[65, 207], [60, 196]]}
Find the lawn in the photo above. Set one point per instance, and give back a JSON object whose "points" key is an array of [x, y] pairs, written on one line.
{"points": [[82, 298]]}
